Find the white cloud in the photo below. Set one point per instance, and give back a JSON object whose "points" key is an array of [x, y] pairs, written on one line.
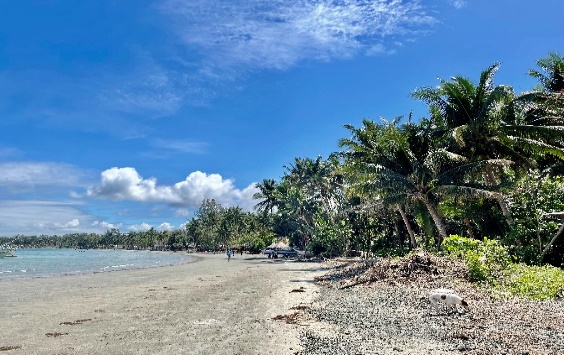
{"points": [[105, 225], [143, 227], [71, 224], [165, 226], [219, 42], [258, 34], [127, 184]]}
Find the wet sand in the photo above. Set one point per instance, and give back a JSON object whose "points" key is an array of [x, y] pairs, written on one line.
{"points": [[210, 306]]}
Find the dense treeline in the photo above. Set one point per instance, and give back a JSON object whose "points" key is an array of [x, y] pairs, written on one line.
{"points": [[485, 163], [213, 228]]}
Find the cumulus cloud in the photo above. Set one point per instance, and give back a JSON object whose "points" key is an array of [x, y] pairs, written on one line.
{"points": [[106, 225], [278, 33], [71, 224], [127, 184], [165, 226], [143, 227]]}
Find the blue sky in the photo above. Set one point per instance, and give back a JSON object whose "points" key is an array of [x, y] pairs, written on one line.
{"points": [[127, 114]]}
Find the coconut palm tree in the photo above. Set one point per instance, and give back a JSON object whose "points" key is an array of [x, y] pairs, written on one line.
{"points": [[405, 167], [365, 147], [483, 122], [267, 195], [552, 76]]}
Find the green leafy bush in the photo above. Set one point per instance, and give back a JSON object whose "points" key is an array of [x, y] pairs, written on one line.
{"points": [[489, 262], [536, 282], [487, 259]]}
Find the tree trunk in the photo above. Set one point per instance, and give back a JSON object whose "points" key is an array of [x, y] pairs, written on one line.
{"points": [[504, 209], [412, 240], [543, 254], [469, 227], [491, 180], [436, 218]]}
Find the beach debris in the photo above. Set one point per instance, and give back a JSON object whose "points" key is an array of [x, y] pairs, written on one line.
{"points": [[56, 334], [300, 307], [301, 289], [420, 266], [288, 318], [12, 347], [76, 322]]}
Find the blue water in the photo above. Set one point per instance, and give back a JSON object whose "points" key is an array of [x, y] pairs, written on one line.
{"points": [[31, 263]]}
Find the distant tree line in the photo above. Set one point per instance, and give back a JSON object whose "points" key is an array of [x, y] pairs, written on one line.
{"points": [[213, 227]]}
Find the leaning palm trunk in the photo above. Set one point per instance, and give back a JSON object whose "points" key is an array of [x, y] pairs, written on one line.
{"points": [[441, 228], [412, 240], [491, 180]]}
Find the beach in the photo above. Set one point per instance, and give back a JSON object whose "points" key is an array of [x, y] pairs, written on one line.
{"points": [[256, 305], [209, 306]]}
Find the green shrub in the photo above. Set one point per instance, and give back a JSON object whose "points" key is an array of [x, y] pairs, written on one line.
{"points": [[487, 260], [536, 282]]}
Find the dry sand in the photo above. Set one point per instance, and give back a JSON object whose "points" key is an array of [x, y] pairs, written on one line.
{"points": [[210, 306]]}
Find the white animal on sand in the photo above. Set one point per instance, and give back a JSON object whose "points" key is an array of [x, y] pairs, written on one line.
{"points": [[448, 297]]}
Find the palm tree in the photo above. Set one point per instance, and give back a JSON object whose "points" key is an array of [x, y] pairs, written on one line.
{"points": [[405, 167], [552, 80], [483, 122], [267, 195], [310, 188], [365, 147]]}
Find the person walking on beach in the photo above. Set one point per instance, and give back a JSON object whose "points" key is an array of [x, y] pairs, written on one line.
{"points": [[228, 255]]}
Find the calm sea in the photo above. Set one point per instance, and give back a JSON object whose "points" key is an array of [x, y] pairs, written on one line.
{"points": [[31, 263]]}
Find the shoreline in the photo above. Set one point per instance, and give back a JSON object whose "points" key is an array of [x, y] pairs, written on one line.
{"points": [[207, 306], [183, 258]]}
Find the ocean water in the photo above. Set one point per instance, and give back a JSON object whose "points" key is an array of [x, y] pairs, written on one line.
{"points": [[32, 263]]}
